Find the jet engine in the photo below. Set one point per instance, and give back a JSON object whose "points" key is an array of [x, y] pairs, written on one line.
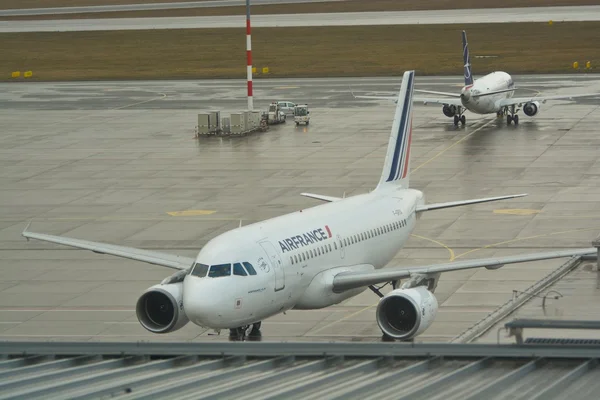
{"points": [[160, 308], [449, 110], [531, 108], [405, 313]]}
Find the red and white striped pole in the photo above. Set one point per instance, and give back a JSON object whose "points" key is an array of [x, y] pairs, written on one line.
{"points": [[249, 55]]}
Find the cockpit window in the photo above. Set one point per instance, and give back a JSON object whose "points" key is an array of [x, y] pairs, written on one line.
{"points": [[250, 268], [219, 270], [239, 270], [199, 270]]}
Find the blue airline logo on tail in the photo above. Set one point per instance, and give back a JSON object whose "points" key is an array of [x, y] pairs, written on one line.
{"points": [[399, 167], [466, 60]]}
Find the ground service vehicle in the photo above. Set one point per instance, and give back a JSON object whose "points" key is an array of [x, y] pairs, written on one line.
{"points": [[301, 114], [275, 115], [286, 106]]}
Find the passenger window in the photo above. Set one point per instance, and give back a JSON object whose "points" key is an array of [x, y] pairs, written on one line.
{"points": [[200, 270], [330, 246], [250, 268], [239, 270], [291, 261], [219, 270], [335, 245]]}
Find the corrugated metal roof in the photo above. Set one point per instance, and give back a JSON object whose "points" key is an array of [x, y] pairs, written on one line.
{"points": [[297, 371]]}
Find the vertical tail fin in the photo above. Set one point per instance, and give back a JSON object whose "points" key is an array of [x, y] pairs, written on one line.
{"points": [[466, 60], [396, 166]]}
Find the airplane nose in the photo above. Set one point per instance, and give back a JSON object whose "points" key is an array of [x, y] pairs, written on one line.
{"points": [[200, 302]]}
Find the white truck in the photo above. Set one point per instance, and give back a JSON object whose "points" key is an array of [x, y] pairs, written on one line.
{"points": [[301, 114], [275, 115]]}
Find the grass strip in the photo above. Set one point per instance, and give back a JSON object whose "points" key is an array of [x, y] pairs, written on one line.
{"points": [[298, 52], [17, 4]]}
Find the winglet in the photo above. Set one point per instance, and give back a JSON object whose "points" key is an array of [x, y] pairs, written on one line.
{"points": [[25, 230], [351, 91]]}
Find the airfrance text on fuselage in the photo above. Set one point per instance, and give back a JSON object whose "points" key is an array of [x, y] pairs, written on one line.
{"points": [[305, 239]]}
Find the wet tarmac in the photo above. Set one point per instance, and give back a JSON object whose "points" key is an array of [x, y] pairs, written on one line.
{"points": [[117, 161]]}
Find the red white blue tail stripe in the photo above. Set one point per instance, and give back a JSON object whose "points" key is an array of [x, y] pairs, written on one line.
{"points": [[397, 166]]}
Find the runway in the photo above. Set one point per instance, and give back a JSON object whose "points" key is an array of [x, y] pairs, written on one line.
{"points": [[146, 7], [490, 15], [117, 162]]}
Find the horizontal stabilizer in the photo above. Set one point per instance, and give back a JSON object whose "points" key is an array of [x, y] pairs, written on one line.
{"points": [[320, 197], [439, 206]]}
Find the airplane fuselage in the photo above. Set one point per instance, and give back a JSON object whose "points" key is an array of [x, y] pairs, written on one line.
{"points": [[474, 98], [296, 257]]}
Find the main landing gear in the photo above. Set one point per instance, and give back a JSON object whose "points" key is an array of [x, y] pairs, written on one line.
{"points": [[247, 332], [512, 117]]}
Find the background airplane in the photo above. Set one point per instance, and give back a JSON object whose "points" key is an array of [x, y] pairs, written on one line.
{"points": [[492, 93], [309, 259]]}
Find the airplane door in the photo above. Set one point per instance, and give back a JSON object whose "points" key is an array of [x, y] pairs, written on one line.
{"points": [[276, 263]]}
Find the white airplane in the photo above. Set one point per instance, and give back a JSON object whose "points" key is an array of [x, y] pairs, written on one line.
{"points": [[309, 259], [492, 93]]}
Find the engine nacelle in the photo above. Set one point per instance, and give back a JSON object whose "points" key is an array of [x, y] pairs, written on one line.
{"points": [[449, 110], [405, 313], [160, 308], [531, 108]]}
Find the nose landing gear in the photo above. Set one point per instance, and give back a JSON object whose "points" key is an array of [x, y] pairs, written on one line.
{"points": [[460, 117], [246, 332]]}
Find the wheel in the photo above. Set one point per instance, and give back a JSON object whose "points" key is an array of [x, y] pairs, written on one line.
{"points": [[237, 334], [509, 119], [456, 119], [297, 123], [255, 329], [307, 122], [516, 119], [463, 120]]}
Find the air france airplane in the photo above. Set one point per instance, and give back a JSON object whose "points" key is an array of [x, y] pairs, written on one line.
{"points": [[309, 259], [492, 93]]}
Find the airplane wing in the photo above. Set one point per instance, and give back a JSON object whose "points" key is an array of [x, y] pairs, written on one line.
{"points": [[450, 101], [542, 99], [150, 257], [351, 280], [438, 93], [439, 206]]}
